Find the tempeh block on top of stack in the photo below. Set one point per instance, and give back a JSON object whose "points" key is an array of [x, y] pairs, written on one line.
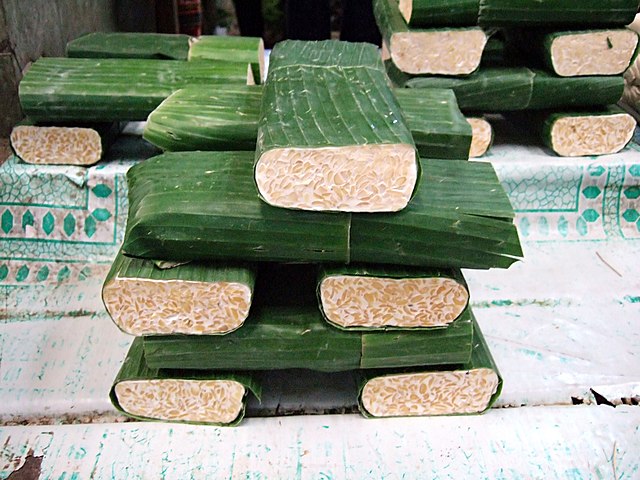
{"points": [[331, 135], [159, 46]]}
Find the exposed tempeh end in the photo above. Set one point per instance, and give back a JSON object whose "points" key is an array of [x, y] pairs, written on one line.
{"points": [[576, 136], [56, 145], [364, 178], [606, 52], [406, 8], [361, 301], [430, 393], [438, 52], [251, 79], [482, 136], [206, 401], [163, 307], [384, 52]]}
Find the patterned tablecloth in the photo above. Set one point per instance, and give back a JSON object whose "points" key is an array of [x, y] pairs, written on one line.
{"points": [[562, 324]]}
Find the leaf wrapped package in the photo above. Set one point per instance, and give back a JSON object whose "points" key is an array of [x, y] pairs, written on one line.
{"points": [[84, 89], [455, 390], [203, 205], [331, 135], [226, 118], [430, 13], [520, 13], [500, 89], [197, 298], [433, 51], [197, 397]]}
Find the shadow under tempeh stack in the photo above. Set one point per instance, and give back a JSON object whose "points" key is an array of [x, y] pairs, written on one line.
{"points": [[377, 293], [565, 60]]}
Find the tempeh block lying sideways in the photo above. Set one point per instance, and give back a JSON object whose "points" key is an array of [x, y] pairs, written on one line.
{"points": [[58, 145], [420, 228], [575, 134], [195, 298], [370, 297], [429, 13], [552, 92], [283, 334], [501, 89], [286, 330], [436, 51], [204, 205], [161, 46], [158, 46], [455, 390], [331, 135], [200, 397], [490, 89], [578, 52], [437, 125], [230, 48], [482, 137], [520, 13], [226, 118], [110, 89]]}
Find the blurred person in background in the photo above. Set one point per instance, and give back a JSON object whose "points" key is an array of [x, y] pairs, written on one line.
{"points": [[190, 17], [311, 20]]}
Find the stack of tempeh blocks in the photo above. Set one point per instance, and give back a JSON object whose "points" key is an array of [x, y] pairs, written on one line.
{"points": [[331, 247], [560, 61], [352, 244]]}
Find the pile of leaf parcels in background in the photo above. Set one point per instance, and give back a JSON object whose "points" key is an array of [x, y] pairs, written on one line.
{"points": [[553, 68]]}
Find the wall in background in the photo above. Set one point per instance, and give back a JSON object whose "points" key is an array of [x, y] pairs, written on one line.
{"points": [[31, 29]]}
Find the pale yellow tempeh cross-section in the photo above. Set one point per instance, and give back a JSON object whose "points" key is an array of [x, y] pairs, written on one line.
{"points": [[364, 178], [430, 393], [575, 136], [56, 145], [153, 307], [360, 301], [206, 401], [607, 52], [482, 135], [438, 52]]}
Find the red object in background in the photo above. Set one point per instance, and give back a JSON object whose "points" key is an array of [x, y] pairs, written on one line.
{"points": [[190, 17]]}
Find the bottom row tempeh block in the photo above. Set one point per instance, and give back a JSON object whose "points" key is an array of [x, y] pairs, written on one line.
{"points": [[219, 397]]}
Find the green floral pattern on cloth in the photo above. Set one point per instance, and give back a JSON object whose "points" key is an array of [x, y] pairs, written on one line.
{"points": [[571, 199], [56, 222]]}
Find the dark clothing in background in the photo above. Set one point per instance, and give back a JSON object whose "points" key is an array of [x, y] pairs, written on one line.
{"points": [[190, 17], [311, 20], [307, 19], [249, 15], [358, 22]]}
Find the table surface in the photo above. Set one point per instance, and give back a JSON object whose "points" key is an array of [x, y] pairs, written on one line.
{"points": [[563, 326]]}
